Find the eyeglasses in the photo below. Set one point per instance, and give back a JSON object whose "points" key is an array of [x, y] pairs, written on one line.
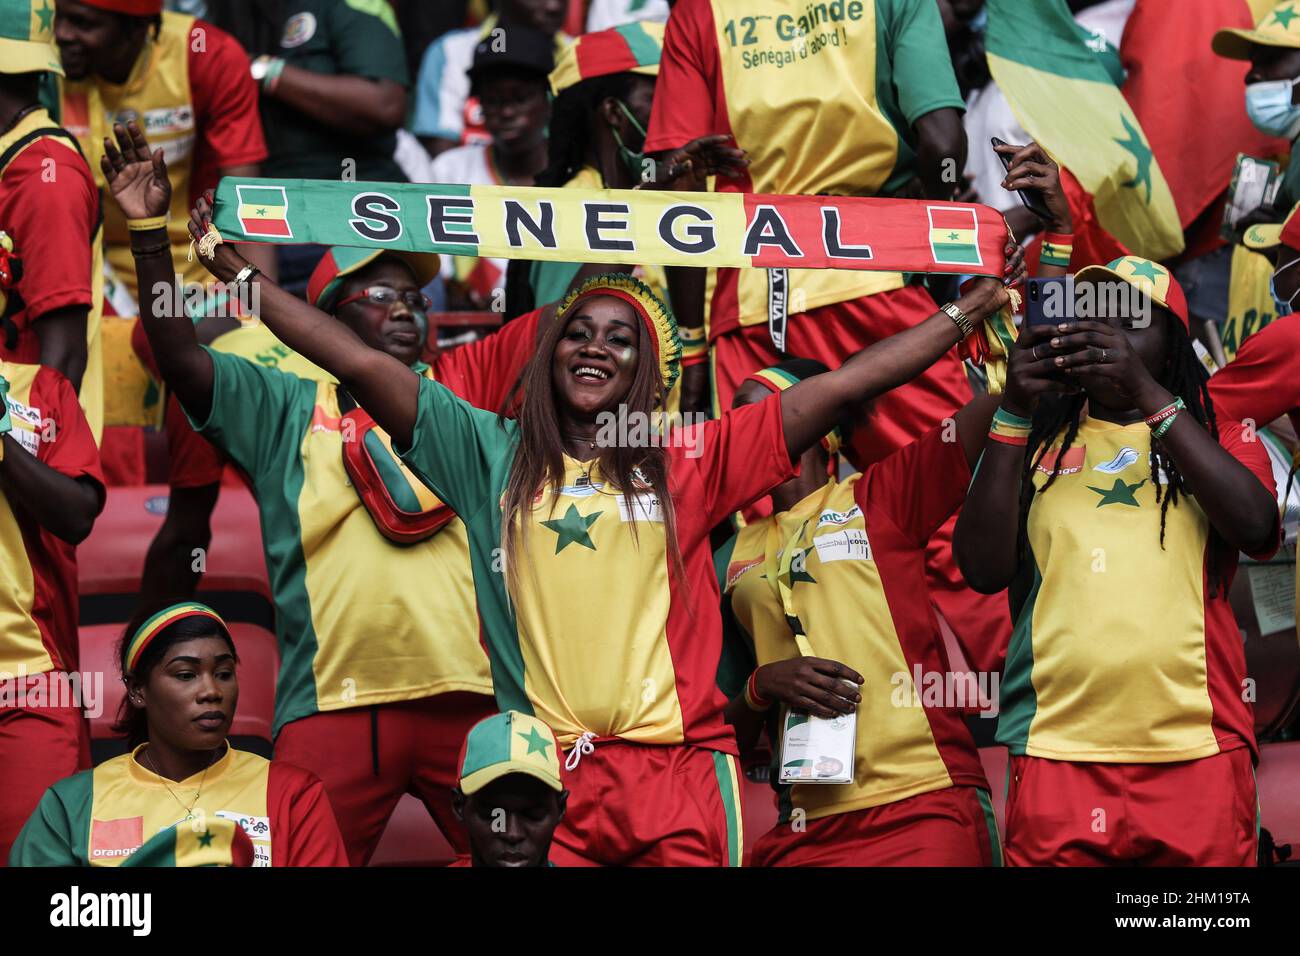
{"points": [[386, 297]]}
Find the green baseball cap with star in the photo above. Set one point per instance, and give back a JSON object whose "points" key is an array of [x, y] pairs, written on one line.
{"points": [[1278, 27], [506, 743], [27, 37]]}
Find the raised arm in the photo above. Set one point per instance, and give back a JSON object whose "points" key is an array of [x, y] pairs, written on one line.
{"points": [[381, 384], [139, 185], [811, 408]]}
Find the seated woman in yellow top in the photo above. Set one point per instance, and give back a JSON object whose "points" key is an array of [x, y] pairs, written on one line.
{"points": [[179, 669]]}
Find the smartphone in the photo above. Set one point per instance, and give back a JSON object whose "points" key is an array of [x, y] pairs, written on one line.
{"points": [[1049, 301], [1032, 198]]}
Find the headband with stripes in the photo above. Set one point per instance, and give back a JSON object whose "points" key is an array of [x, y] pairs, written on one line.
{"points": [[144, 635]]}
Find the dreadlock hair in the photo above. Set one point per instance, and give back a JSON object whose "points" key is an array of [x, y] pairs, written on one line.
{"points": [[132, 722], [1186, 378], [569, 142], [538, 465]]}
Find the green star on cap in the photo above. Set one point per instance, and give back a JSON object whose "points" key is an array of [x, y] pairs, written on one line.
{"points": [[46, 13], [1147, 270], [1119, 493], [206, 839], [1284, 16], [536, 742], [572, 529], [1141, 152]]}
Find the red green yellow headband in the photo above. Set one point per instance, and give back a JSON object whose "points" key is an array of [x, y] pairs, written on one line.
{"points": [[659, 321], [144, 635], [778, 380]]}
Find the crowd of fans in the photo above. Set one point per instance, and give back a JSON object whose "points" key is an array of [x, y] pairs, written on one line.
{"points": [[568, 648]]}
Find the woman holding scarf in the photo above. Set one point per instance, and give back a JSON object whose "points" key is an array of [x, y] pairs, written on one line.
{"points": [[590, 554]]}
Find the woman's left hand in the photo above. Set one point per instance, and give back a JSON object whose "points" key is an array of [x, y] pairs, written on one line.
{"points": [[225, 262], [1100, 353]]}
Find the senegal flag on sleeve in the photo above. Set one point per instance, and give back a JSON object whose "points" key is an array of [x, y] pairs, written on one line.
{"points": [[1064, 98]]}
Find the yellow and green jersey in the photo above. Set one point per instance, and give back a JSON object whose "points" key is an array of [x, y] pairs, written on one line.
{"points": [[788, 80], [102, 817], [1120, 651], [359, 620], [602, 637], [857, 584]]}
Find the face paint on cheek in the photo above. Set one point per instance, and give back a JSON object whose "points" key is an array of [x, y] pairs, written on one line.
{"points": [[626, 357]]}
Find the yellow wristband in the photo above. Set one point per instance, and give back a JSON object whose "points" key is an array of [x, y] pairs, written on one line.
{"points": [[144, 225], [690, 334]]}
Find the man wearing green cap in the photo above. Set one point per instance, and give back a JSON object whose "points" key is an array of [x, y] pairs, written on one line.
{"points": [[377, 684], [510, 796], [50, 209]]}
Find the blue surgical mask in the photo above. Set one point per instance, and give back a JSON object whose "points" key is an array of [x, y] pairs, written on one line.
{"points": [[1282, 307], [1269, 107]]}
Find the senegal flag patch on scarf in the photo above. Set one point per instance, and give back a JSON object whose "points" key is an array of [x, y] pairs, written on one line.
{"points": [[263, 212]]}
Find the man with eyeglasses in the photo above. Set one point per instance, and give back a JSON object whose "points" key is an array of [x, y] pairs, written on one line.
{"points": [[377, 687], [509, 79]]}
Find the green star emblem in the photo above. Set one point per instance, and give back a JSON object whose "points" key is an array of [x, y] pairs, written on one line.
{"points": [[536, 742], [46, 13], [1284, 16], [1119, 493], [572, 529], [1147, 270], [801, 574], [1134, 143], [953, 236], [260, 212], [206, 839]]}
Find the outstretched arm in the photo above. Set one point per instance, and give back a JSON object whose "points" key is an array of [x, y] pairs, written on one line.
{"points": [[811, 408], [381, 384]]}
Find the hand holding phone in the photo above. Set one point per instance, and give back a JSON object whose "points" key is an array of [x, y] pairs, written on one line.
{"points": [[1032, 198]]}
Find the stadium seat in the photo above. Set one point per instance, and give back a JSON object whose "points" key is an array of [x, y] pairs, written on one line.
{"points": [[411, 838], [1278, 780], [258, 667], [111, 559]]}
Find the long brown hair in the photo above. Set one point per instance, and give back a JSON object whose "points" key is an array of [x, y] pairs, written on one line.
{"points": [[539, 459]]}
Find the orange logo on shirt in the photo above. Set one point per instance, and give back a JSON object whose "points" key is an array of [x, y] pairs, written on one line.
{"points": [[320, 422], [115, 838], [1071, 463]]}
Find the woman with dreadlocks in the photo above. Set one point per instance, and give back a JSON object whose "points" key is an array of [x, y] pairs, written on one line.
{"points": [[1113, 502], [589, 538]]}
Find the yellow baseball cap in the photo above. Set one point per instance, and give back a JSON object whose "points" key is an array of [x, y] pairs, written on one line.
{"points": [[1279, 27], [1266, 235], [506, 743], [1146, 276], [27, 37]]}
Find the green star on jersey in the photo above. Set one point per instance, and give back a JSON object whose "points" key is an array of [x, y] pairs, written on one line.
{"points": [[1119, 493], [536, 742], [800, 573], [1134, 143], [572, 529], [206, 839]]}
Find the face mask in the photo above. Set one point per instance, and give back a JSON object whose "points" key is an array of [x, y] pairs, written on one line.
{"points": [[634, 161], [1283, 308], [1270, 108]]}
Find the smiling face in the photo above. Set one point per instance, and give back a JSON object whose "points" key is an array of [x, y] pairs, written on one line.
{"points": [[394, 329], [510, 821], [595, 360], [189, 696], [95, 42]]}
